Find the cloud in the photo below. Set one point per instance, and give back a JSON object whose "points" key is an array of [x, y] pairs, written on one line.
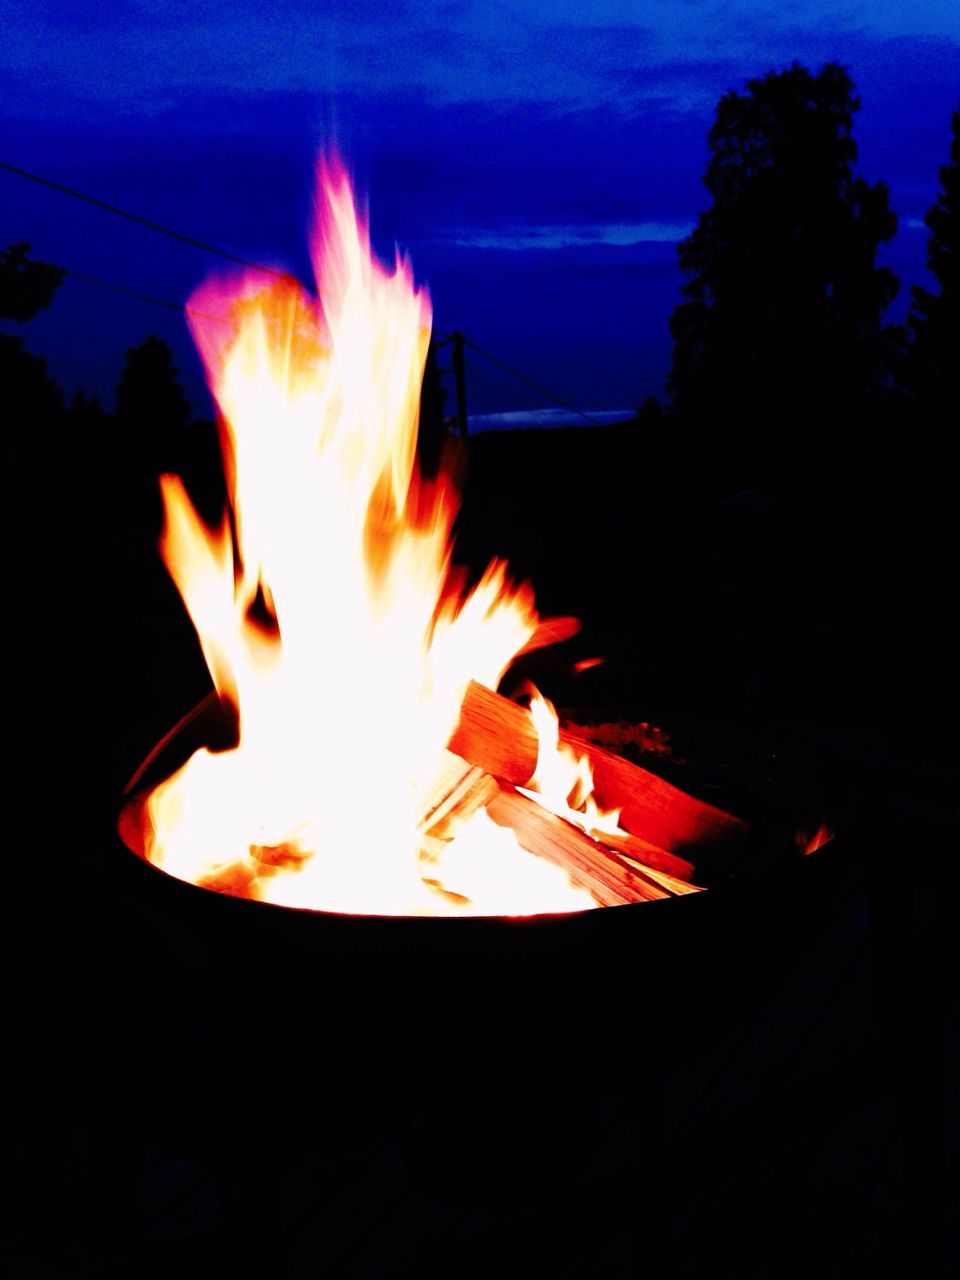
{"points": [[533, 418], [537, 161], [133, 54], [565, 237]]}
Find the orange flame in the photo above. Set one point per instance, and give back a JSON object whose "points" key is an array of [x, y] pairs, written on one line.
{"points": [[811, 843], [324, 606], [563, 780]]}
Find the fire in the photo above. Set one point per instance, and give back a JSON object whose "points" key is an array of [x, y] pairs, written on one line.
{"points": [[327, 611], [563, 781], [811, 843]]}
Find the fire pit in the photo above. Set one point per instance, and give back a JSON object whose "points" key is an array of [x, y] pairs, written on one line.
{"points": [[355, 860], [412, 1006]]}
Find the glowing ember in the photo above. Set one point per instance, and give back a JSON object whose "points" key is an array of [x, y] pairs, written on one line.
{"points": [[811, 843], [325, 610]]}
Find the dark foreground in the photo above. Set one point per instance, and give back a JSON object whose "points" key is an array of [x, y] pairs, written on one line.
{"points": [[811, 1133]]}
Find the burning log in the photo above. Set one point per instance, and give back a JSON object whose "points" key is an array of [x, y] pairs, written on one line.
{"points": [[590, 860], [653, 858], [590, 867], [458, 792], [673, 886], [462, 788], [360, 555], [499, 737]]}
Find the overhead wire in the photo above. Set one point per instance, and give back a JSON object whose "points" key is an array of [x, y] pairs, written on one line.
{"points": [[140, 297], [141, 221], [522, 377], [475, 374], [205, 247]]}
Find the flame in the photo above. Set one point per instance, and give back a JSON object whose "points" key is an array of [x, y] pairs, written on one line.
{"points": [[326, 609], [563, 780], [811, 843]]}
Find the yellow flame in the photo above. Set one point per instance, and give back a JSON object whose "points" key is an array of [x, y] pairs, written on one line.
{"points": [[563, 781], [324, 609]]}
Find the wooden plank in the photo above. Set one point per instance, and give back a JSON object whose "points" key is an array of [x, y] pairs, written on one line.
{"points": [[458, 792], [499, 737], [639, 850], [676, 888], [540, 832]]}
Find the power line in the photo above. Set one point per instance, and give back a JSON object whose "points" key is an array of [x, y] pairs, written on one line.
{"points": [[245, 262], [176, 306], [522, 377], [140, 297], [476, 376], [143, 222]]}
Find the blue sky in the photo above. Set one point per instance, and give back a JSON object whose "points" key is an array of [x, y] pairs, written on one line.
{"points": [[538, 162]]}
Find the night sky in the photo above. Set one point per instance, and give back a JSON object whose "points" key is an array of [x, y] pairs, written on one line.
{"points": [[539, 162]]}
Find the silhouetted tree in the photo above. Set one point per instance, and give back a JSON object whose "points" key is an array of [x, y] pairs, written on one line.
{"points": [[150, 419], [781, 318], [31, 399], [26, 287], [650, 413], [149, 395], [152, 409], [86, 414], [29, 396], [935, 317], [87, 443]]}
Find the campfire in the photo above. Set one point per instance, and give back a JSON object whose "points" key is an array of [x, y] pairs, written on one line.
{"points": [[375, 770]]}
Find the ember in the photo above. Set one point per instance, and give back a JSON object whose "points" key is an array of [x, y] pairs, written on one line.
{"points": [[374, 771]]}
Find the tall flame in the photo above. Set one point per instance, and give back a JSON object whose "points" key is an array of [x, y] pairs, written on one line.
{"points": [[325, 609]]}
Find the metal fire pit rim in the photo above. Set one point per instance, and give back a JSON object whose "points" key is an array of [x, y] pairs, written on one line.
{"points": [[134, 793]]}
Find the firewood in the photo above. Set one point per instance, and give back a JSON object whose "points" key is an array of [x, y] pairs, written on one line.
{"points": [[642, 851], [618, 733], [672, 885], [499, 737], [495, 734], [589, 867], [458, 791]]}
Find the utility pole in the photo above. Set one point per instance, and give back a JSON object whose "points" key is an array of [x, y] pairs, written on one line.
{"points": [[458, 371]]}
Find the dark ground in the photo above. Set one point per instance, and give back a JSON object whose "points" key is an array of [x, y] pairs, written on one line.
{"points": [[813, 1135]]}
